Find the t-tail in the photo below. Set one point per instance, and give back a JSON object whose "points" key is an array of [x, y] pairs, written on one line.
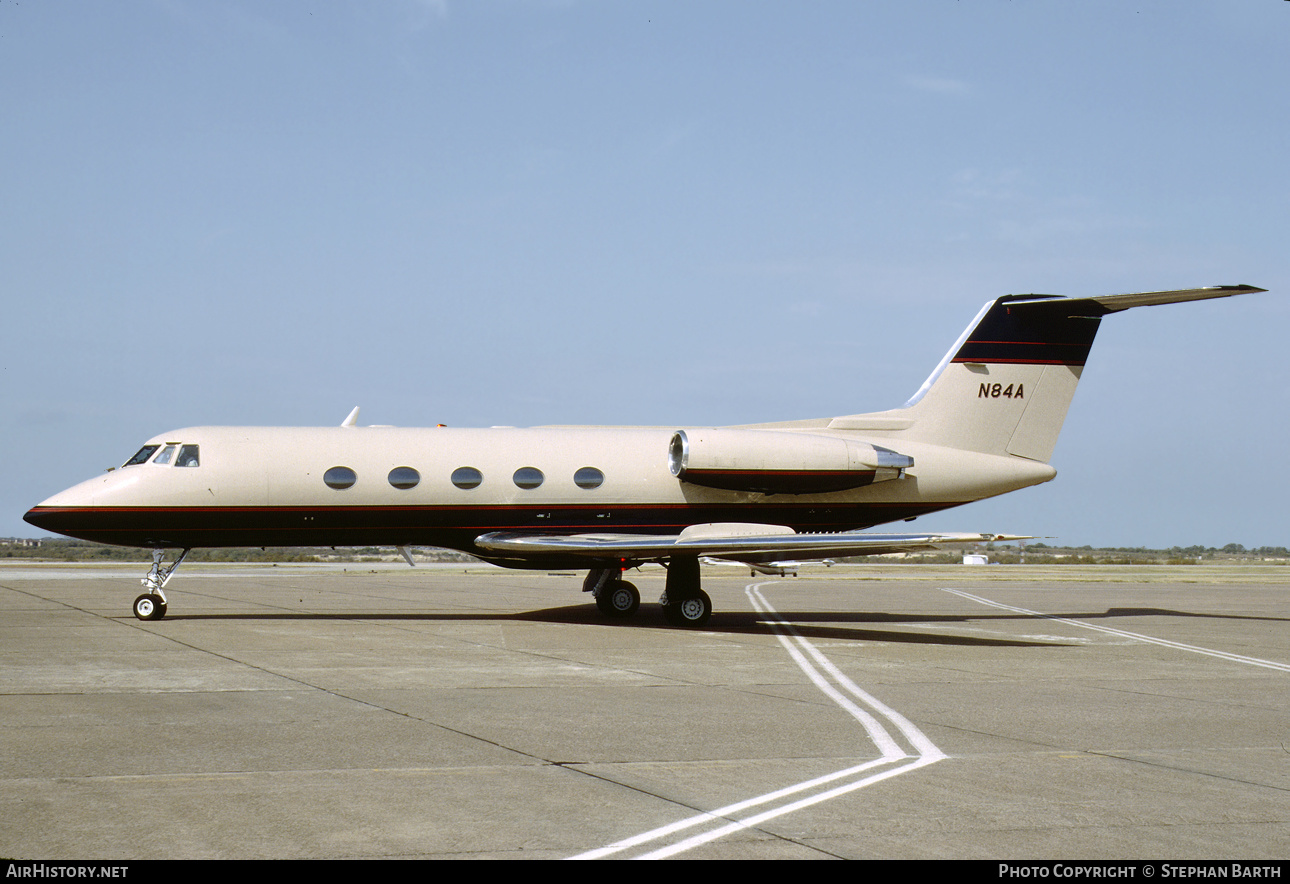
{"points": [[1006, 384]]}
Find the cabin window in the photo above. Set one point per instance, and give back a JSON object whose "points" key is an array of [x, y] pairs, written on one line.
{"points": [[588, 478], [404, 478], [164, 458], [467, 477], [528, 477], [187, 456], [340, 478], [141, 456]]}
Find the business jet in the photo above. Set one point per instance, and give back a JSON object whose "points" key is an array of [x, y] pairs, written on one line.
{"points": [[607, 499]]}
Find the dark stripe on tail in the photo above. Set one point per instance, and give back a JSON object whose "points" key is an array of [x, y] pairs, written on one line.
{"points": [[1019, 329]]}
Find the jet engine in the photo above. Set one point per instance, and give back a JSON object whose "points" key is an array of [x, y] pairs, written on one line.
{"points": [[780, 461]]}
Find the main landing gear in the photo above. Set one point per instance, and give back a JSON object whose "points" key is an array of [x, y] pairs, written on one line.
{"points": [[615, 597], [152, 604], [684, 602]]}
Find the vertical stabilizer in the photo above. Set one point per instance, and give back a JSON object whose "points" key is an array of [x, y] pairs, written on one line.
{"points": [[1008, 386]]}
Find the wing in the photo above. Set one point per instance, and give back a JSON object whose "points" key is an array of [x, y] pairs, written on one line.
{"points": [[735, 541]]}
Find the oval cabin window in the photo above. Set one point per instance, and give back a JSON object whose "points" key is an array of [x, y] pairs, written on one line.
{"points": [[340, 477], [467, 477], [588, 477], [528, 477], [404, 478]]}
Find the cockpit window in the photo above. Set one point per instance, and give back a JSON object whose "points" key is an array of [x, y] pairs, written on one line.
{"points": [[164, 458], [141, 455], [187, 456]]}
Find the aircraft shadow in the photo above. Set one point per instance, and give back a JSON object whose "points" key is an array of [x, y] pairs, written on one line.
{"points": [[889, 617], [833, 625], [649, 617]]}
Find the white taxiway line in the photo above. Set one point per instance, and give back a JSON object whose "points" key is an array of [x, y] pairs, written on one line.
{"points": [[894, 759], [1136, 636]]}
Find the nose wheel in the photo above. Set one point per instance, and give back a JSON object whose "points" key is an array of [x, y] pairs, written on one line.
{"points": [[149, 606]]}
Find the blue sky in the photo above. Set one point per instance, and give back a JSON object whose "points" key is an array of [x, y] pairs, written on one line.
{"points": [[511, 212]]}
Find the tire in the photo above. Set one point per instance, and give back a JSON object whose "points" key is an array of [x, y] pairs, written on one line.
{"points": [[149, 606], [692, 611], [618, 599]]}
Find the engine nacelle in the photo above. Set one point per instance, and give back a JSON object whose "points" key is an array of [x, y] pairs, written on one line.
{"points": [[780, 462]]}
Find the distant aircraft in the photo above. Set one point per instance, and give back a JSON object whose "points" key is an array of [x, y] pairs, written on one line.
{"points": [[611, 498], [782, 568]]}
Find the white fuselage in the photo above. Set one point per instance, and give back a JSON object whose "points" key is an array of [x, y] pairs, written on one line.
{"points": [[261, 486]]}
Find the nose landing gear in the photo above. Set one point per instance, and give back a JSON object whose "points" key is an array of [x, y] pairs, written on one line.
{"points": [[152, 604]]}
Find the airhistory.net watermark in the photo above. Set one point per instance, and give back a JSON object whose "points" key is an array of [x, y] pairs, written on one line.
{"points": [[64, 870]]}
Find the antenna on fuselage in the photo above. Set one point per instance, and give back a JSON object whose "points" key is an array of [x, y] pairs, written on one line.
{"points": [[352, 419]]}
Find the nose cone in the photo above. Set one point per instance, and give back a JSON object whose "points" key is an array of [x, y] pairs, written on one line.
{"points": [[60, 519], [67, 512], [40, 517]]}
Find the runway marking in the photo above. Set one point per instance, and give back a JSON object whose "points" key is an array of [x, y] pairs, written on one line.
{"points": [[895, 759], [1136, 636]]}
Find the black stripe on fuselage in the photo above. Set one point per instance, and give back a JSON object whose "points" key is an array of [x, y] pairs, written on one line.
{"points": [[443, 526]]}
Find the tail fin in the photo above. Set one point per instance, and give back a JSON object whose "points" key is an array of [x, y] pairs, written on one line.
{"points": [[1006, 384]]}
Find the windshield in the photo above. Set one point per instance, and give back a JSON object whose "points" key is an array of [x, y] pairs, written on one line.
{"points": [[188, 455], [141, 455]]}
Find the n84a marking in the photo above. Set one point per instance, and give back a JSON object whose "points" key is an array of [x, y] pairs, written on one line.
{"points": [[999, 391]]}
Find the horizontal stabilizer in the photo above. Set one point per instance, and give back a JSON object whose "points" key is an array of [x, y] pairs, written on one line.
{"points": [[1115, 303]]}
